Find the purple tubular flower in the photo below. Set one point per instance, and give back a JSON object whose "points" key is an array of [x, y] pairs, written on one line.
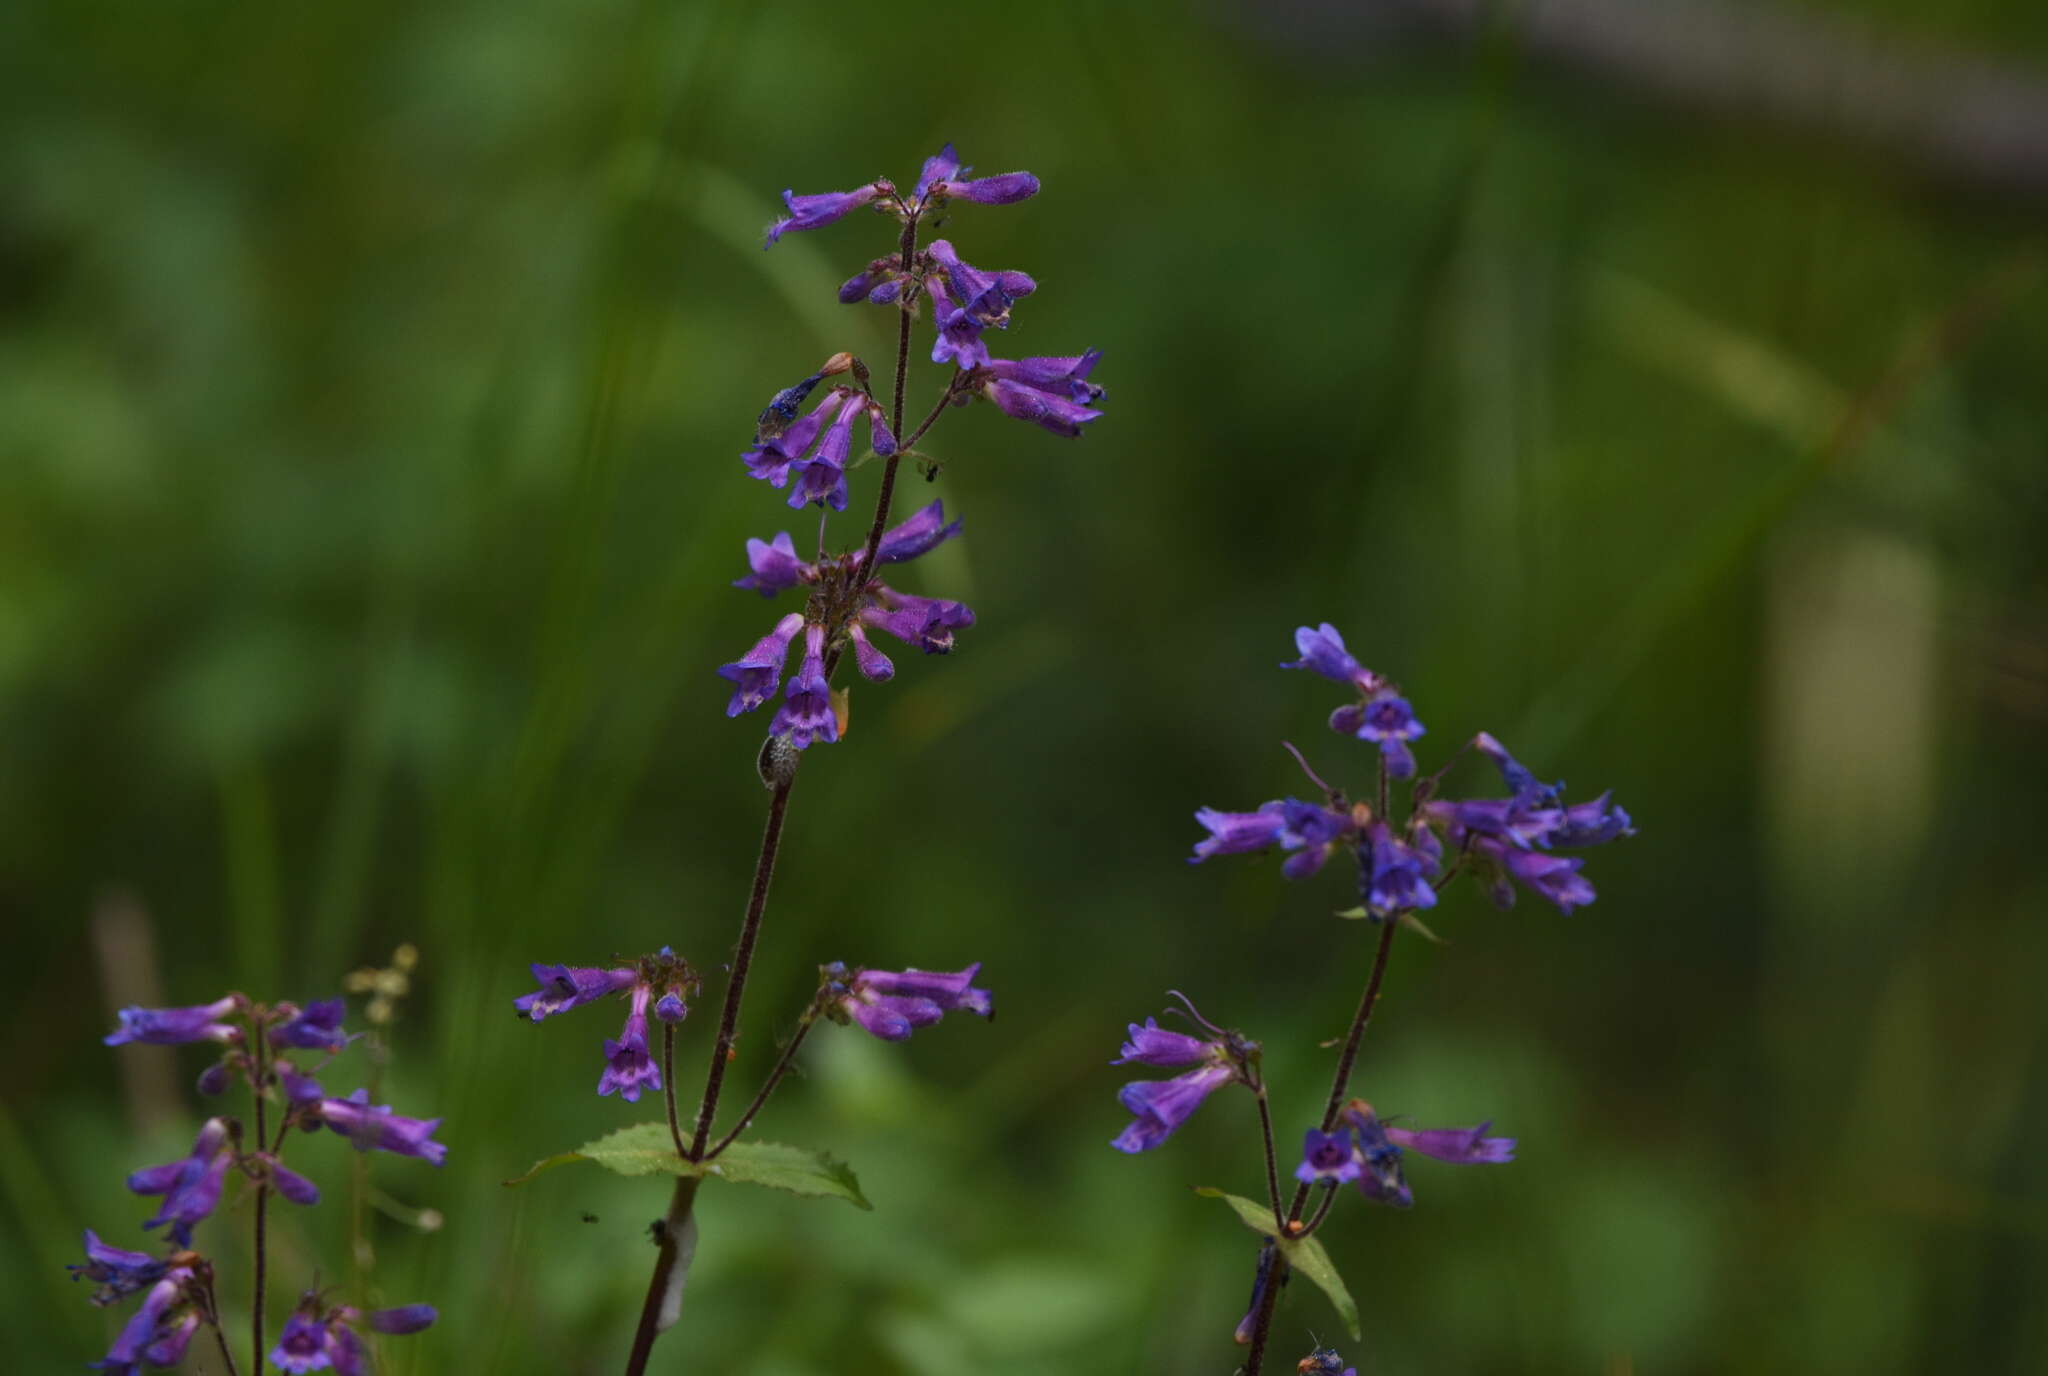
{"points": [[1155, 1045], [921, 534], [1261, 1278], [303, 1345], [926, 622], [1592, 823], [299, 1088], [1044, 409], [1397, 880], [316, 1028], [1239, 833], [1316, 830], [937, 168], [1554, 877], [1064, 376], [172, 1026], [877, 282], [1460, 1146], [117, 1271], [563, 987], [158, 1332], [1005, 189], [881, 438], [1389, 722], [771, 457], [370, 1126], [822, 477], [806, 713], [1322, 651], [406, 1318], [775, 565], [809, 212], [213, 1081], [670, 1008], [290, 1183], [1327, 1158], [891, 1004], [1159, 1107], [755, 674], [1379, 1176], [628, 1067], [1527, 790], [190, 1185], [875, 666], [967, 300], [1496, 817]]}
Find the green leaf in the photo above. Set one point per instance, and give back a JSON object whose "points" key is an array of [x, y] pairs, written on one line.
{"points": [[1304, 1254], [647, 1149]]}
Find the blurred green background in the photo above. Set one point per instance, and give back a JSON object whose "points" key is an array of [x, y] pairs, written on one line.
{"points": [[372, 380]]}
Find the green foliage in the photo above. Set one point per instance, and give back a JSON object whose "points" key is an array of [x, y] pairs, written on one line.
{"points": [[647, 1149], [1304, 1254]]}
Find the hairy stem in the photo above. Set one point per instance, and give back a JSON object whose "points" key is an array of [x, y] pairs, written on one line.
{"points": [[220, 1335], [803, 1029], [742, 962], [259, 1037], [1262, 1319], [1272, 1165], [676, 1237], [1322, 1212]]}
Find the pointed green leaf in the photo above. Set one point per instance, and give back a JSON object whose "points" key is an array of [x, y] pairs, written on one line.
{"points": [[1415, 924], [648, 1149], [1304, 1254]]}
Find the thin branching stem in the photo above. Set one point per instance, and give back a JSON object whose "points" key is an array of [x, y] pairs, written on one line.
{"points": [[803, 1029]]}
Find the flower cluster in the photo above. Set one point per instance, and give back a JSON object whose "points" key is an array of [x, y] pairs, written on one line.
{"points": [[320, 1337], [811, 452], [661, 983], [841, 598], [1365, 1152], [1401, 865], [1159, 1107], [892, 1003], [258, 1042]]}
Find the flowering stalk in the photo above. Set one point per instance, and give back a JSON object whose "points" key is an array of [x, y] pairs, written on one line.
{"points": [[1400, 861]]}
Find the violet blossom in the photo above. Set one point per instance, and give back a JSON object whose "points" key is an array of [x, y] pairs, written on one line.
{"points": [[318, 1337], [191, 1184], [316, 1027], [627, 1065], [116, 1271], [160, 1330], [1159, 1107], [563, 987], [1377, 1153], [370, 1126], [890, 1004], [942, 179], [172, 1026], [841, 602]]}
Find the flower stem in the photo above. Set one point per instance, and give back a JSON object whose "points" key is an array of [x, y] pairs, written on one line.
{"points": [[220, 1335], [907, 247], [945, 400], [668, 1084], [259, 1074], [742, 962], [1262, 1323], [1322, 1212], [803, 1029], [1339, 1084], [1272, 1167], [677, 1239]]}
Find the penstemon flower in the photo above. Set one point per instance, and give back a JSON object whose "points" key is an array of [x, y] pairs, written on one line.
{"points": [[1404, 858], [171, 1026], [320, 1337], [892, 1003]]}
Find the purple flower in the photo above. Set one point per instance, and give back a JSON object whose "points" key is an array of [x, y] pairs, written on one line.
{"points": [[892, 1003], [159, 1331], [1067, 376], [755, 674], [1021, 401], [1398, 878], [1327, 1158], [1553, 877], [171, 1026], [191, 1184], [880, 282], [772, 455], [940, 180], [288, 1182], [213, 1081], [1388, 721], [316, 1338], [1239, 833], [1309, 829], [370, 1126], [1322, 651], [117, 1271], [806, 713], [1379, 1151], [1155, 1045], [965, 301], [299, 1088], [317, 1027], [1498, 817], [304, 1344], [671, 1008], [1159, 1107], [1262, 1277], [563, 987], [809, 212], [926, 622], [821, 477], [1592, 823], [627, 1066], [1460, 1146], [1527, 790]]}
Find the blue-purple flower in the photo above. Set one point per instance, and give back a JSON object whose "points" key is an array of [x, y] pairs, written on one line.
{"points": [[191, 1184], [1040, 390], [172, 1026], [563, 987], [965, 301], [851, 606], [822, 208], [1327, 1158], [160, 1330], [1397, 879], [809, 456], [318, 1337], [942, 179], [1310, 830], [316, 1027], [660, 983], [892, 1003], [1159, 1107], [116, 1271], [627, 1065], [370, 1126], [1376, 1154], [1510, 839]]}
